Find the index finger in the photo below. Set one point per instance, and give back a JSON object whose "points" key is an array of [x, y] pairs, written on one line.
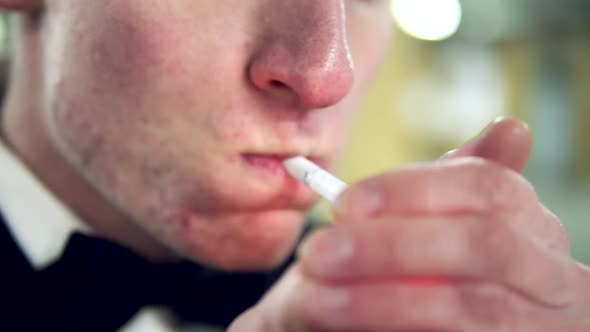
{"points": [[466, 185]]}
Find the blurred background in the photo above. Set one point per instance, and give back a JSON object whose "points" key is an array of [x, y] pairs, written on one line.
{"points": [[455, 66]]}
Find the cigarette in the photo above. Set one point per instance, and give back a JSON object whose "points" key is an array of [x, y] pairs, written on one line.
{"points": [[319, 180]]}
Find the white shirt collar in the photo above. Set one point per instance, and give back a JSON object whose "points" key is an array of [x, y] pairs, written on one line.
{"points": [[40, 223]]}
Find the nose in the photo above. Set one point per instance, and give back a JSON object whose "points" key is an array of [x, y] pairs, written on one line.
{"points": [[303, 57]]}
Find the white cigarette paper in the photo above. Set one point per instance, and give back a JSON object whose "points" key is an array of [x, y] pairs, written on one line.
{"points": [[319, 180]]}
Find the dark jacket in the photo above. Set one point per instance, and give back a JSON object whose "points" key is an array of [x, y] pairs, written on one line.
{"points": [[57, 298]]}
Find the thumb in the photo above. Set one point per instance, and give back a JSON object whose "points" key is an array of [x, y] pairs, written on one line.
{"points": [[506, 141]]}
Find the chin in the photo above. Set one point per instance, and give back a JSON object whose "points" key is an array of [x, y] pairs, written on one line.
{"points": [[242, 241]]}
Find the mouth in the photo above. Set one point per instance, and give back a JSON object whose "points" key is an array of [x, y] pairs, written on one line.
{"points": [[266, 173], [273, 162]]}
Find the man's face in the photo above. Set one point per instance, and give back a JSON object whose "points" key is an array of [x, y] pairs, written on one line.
{"points": [[180, 111]]}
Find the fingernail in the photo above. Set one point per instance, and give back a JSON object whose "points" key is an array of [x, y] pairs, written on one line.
{"points": [[449, 154], [467, 148], [358, 204], [486, 130], [327, 252]]}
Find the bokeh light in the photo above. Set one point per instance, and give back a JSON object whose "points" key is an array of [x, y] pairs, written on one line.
{"points": [[427, 19]]}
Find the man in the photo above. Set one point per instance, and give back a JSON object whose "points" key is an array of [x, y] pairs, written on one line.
{"points": [[161, 125]]}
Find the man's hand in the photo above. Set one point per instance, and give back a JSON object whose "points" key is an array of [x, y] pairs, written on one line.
{"points": [[462, 244]]}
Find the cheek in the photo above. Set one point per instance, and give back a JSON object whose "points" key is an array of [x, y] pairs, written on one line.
{"points": [[230, 122], [159, 66], [130, 66], [133, 49]]}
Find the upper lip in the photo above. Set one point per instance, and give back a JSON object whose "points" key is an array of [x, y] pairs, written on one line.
{"points": [[283, 156]]}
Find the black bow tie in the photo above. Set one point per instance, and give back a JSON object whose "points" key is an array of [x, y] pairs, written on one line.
{"points": [[98, 286]]}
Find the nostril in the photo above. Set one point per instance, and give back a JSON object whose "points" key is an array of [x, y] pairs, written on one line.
{"points": [[278, 84]]}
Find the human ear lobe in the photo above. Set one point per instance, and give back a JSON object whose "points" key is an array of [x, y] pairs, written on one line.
{"points": [[21, 5]]}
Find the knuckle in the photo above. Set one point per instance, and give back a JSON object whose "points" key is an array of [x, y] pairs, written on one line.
{"points": [[445, 315], [490, 306], [554, 233], [422, 309], [502, 188], [497, 245], [307, 318], [564, 286]]}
